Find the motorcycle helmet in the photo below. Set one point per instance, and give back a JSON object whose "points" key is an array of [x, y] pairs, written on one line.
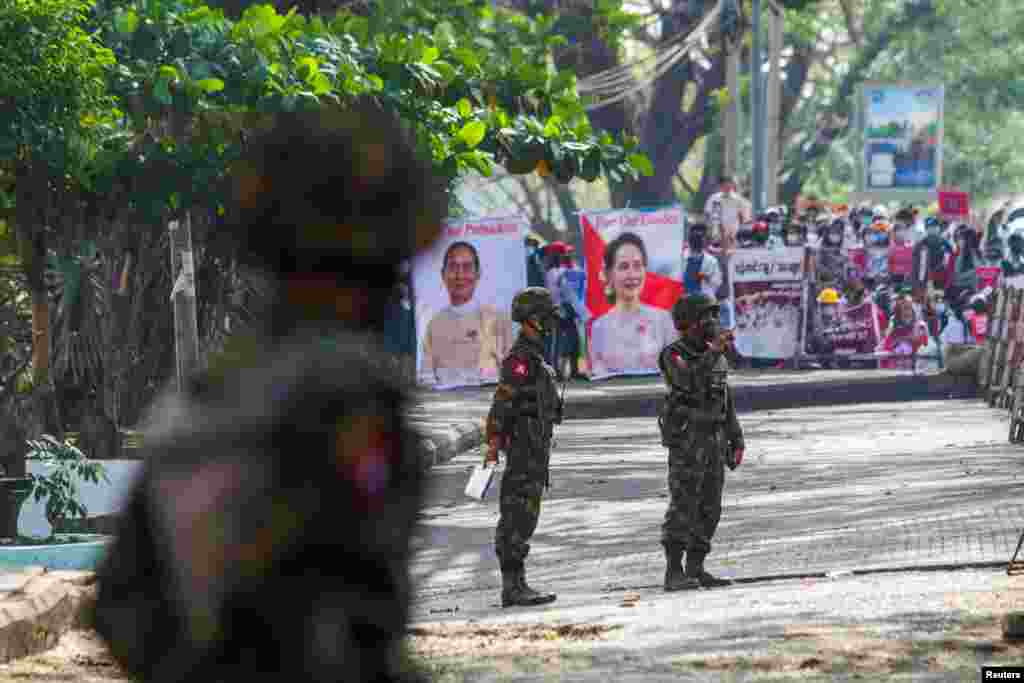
{"points": [[828, 296]]}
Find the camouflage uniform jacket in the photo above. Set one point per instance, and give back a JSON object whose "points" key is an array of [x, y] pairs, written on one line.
{"points": [[526, 406], [699, 397], [231, 540]]}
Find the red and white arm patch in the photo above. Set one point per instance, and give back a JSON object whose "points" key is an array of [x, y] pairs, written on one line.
{"points": [[680, 361], [516, 370]]}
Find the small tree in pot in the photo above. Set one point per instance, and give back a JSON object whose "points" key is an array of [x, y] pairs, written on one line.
{"points": [[65, 464]]}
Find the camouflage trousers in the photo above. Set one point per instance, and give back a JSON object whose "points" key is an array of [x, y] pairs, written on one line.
{"points": [[696, 478], [520, 511]]}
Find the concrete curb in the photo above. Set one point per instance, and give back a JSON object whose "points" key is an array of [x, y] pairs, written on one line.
{"points": [[749, 399], [439, 449], [49, 604]]}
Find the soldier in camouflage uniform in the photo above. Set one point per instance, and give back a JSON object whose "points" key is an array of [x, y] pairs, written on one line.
{"points": [[269, 535], [699, 427], [526, 406]]}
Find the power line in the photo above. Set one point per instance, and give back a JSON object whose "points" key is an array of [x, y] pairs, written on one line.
{"points": [[692, 39]]}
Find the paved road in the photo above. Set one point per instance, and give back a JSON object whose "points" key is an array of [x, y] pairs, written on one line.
{"points": [[824, 489]]}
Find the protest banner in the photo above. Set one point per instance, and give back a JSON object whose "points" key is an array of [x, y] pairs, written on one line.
{"points": [[634, 276], [954, 204], [988, 276], [767, 293], [464, 287], [853, 331], [901, 260]]}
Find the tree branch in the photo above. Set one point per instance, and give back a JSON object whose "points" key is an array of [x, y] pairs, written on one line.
{"points": [[920, 14]]}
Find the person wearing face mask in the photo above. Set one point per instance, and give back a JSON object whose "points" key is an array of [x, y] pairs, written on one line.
{"points": [[907, 334], [831, 259], [700, 269], [901, 248], [628, 338], [932, 259], [876, 248], [724, 212], [699, 427], [521, 421], [966, 258], [1013, 262]]}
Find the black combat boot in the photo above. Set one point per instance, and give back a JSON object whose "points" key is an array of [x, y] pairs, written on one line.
{"points": [[514, 590], [675, 579], [695, 571], [536, 597]]}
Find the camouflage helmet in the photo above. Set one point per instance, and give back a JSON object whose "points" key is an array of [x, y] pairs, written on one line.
{"points": [[533, 302], [372, 202], [690, 307]]}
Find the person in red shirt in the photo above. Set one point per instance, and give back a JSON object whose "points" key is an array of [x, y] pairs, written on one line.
{"points": [[977, 318], [906, 335]]}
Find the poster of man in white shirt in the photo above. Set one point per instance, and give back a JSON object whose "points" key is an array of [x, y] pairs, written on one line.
{"points": [[464, 290]]}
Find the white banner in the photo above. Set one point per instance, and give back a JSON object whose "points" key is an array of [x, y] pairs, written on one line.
{"points": [[464, 288], [767, 293]]}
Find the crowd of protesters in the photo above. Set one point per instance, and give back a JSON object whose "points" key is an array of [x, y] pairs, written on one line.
{"points": [[929, 277]]}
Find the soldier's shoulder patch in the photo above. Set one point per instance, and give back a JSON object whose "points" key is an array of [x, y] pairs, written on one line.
{"points": [[680, 362], [518, 367]]}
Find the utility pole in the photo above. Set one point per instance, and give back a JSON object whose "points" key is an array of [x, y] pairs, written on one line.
{"points": [[731, 42], [183, 296], [757, 119], [773, 99]]}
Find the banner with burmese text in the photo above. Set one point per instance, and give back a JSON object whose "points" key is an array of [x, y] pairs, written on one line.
{"points": [[767, 291], [464, 287], [634, 261]]}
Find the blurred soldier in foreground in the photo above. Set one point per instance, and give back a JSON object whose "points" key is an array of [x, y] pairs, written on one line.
{"points": [[699, 427], [269, 536], [526, 406]]}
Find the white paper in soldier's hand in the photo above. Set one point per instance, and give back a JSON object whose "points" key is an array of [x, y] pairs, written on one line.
{"points": [[480, 482]]}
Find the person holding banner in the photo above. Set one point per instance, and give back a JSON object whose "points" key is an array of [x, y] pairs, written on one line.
{"points": [[629, 337], [906, 335], [465, 341]]}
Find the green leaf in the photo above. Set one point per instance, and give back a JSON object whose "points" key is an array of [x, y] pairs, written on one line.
{"points": [[444, 69], [464, 108], [430, 55], [641, 163], [161, 92], [210, 85], [472, 134], [125, 22], [376, 83], [551, 127], [444, 34]]}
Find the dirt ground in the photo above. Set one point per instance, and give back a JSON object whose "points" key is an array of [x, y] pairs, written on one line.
{"points": [[969, 634], [80, 656]]}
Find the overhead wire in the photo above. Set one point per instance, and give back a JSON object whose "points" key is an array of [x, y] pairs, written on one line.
{"points": [[692, 39], [613, 73]]}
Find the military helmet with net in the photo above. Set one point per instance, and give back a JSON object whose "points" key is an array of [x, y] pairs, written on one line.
{"points": [[533, 302], [337, 190], [691, 307]]}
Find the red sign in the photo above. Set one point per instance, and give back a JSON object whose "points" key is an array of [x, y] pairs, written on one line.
{"points": [[988, 276], [901, 260], [954, 203]]}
